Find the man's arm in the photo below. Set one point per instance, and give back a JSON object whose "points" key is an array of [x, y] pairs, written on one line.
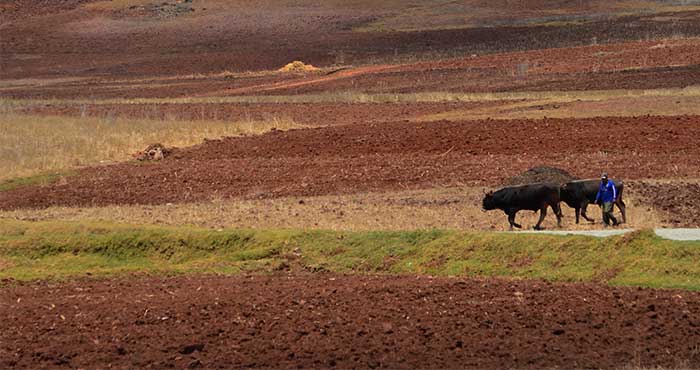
{"points": [[614, 190], [597, 196]]}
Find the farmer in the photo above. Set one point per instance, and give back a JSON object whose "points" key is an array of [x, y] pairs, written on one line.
{"points": [[607, 193]]}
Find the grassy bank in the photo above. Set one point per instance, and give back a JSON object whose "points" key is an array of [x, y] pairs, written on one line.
{"points": [[41, 250]]}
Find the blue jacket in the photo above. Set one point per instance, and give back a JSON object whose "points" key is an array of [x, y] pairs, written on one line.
{"points": [[606, 193]]}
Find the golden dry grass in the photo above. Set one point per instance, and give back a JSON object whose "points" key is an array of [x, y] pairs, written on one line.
{"points": [[444, 208], [360, 97], [34, 144], [38, 82], [159, 81], [564, 107]]}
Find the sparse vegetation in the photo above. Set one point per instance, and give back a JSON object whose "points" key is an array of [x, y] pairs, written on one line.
{"points": [[443, 208], [31, 145], [40, 179], [361, 97]]}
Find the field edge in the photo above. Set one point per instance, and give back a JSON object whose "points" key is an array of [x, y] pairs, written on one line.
{"points": [[62, 250]]}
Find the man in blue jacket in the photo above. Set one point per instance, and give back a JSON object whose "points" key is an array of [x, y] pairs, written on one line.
{"points": [[607, 193]]}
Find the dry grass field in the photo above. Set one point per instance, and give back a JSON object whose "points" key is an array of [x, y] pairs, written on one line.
{"points": [[439, 208], [32, 145]]}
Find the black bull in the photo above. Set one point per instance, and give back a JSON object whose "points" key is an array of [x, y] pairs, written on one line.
{"points": [[533, 197], [579, 194]]}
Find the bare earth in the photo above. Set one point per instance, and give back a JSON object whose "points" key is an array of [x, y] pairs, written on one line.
{"points": [[327, 321]]}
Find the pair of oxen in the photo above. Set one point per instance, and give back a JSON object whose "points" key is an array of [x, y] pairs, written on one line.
{"points": [[538, 197]]}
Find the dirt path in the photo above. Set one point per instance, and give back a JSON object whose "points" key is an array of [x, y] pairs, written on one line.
{"points": [[345, 322], [679, 234], [305, 81], [672, 234]]}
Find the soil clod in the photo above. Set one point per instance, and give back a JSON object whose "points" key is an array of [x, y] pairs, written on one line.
{"points": [[191, 348]]}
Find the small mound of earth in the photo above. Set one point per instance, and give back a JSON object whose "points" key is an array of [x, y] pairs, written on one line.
{"points": [[540, 174], [298, 66]]}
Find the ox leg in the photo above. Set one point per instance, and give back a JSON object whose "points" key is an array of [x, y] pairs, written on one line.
{"points": [[578, 213], [543, 214], [557, 212], [623, 209], [584, 208], [511, 220]]}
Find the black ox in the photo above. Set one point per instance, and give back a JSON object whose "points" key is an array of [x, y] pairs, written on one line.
{"points": [[532, 197], [579, 194]]}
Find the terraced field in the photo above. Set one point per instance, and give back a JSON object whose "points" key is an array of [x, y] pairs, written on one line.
{"points": [[412, 111]]}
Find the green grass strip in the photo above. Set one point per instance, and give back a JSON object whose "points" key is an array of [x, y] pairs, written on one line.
{"points": [[40, 179], [55, 250]]}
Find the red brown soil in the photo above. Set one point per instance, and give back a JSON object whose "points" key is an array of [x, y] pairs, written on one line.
{"points": [[13, 10], [384, 157], [645, 64], [629, 65], [315, 114], [43, 39], [332, 321], [489, 79], [678, 202]]}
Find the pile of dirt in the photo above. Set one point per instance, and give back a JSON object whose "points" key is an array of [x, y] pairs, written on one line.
{"points": [[298, 66], [679, 202], [154, 152], [312, 321], [540, 174]]}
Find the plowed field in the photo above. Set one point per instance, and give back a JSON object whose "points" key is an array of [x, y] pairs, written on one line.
{"points": [[626, 65], [116, 48], [679, 202], [331, 321], [378, 157]]}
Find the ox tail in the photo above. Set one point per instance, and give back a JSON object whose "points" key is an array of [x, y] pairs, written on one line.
{"points": [[620, 189]]}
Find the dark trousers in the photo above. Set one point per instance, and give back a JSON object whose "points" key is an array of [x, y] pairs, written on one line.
{"points": [[608, 214]]}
